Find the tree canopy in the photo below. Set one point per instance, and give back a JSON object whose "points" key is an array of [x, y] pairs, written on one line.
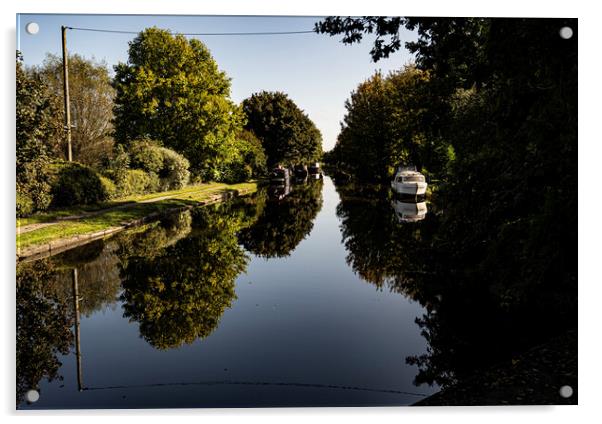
{"points": [[171, 90], [35, 110], [287, 134], [387, 123]]}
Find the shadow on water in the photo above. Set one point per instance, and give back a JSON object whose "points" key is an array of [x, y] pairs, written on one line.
{"points": [[471, 322]]}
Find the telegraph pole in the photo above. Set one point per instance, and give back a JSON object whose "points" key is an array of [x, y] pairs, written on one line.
{"points": [[66, 92]]}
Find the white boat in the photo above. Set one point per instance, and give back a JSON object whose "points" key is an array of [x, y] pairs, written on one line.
{"points": [[409, 212], [409, 181]]}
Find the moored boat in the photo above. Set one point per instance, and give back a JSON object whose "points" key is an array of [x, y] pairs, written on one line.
{"points": [[409, 181], [315, 172], [280, 175]]}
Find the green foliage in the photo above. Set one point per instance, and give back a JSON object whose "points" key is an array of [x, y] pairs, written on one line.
{"points": [[386, 29], [253, 155], [35, 125], [171, 90], [77, 184], [117, 164], [146, 155], [503, 95], [386, 124], [165, 164], [24, 204], [136, 181], [249, 161], [174, 174], [91, 102], [109, 187], [287, 134]]}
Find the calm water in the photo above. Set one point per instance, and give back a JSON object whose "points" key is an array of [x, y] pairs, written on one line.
{"points": [[281, 299]]}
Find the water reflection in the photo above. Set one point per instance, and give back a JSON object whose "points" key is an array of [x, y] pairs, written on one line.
{"points": [[470, 321], [178, 292], [285, 221], [176, 278], [409, 211], [43, 325]]}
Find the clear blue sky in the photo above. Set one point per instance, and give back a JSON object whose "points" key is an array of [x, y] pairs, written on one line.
{"points": [[317, 71]]}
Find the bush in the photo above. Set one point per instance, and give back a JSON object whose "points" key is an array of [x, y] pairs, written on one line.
{"points": [[170, 167], [33, 188], [174, 174], [136, 181], [77, 184], [109, 186], [146, 154], [24, 205]]}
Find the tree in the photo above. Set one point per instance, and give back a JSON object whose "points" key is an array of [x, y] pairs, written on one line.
{"points": [[287, 134], [388, 122], [172, 91], [354, 29], [91, 98], [509, 94], [35, 126]]}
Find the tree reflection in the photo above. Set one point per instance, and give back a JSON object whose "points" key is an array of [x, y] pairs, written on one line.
{"points": [[472, 321], [179, 292], [45, 306], [43, 325], [381, 249], [284, 222]]}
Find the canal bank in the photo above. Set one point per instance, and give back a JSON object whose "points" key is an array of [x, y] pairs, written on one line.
{"points": [[544, 375], [49, 234]]}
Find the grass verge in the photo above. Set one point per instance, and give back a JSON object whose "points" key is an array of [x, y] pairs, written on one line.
{"points": [[130, 208]]}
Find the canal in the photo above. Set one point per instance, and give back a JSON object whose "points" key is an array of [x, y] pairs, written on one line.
{"points": [[264, 301], [310, 295]]}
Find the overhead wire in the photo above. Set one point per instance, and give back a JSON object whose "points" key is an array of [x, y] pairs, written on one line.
{"points": [[196, 33]]}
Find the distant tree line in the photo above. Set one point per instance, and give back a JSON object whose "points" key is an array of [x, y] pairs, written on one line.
{"points": [[163, 120]]}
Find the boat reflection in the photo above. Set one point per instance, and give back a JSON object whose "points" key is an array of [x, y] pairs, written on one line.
{"points": [[406, 211], [279, 191]]}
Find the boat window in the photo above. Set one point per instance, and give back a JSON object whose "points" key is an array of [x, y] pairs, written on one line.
{"points": [[414, 179]]}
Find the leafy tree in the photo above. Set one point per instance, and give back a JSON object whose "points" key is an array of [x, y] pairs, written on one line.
{"points": [[388, 123], [287, 134], [253, 156], [91, 98], [35, 126], [172, 91], [386, 30]]}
